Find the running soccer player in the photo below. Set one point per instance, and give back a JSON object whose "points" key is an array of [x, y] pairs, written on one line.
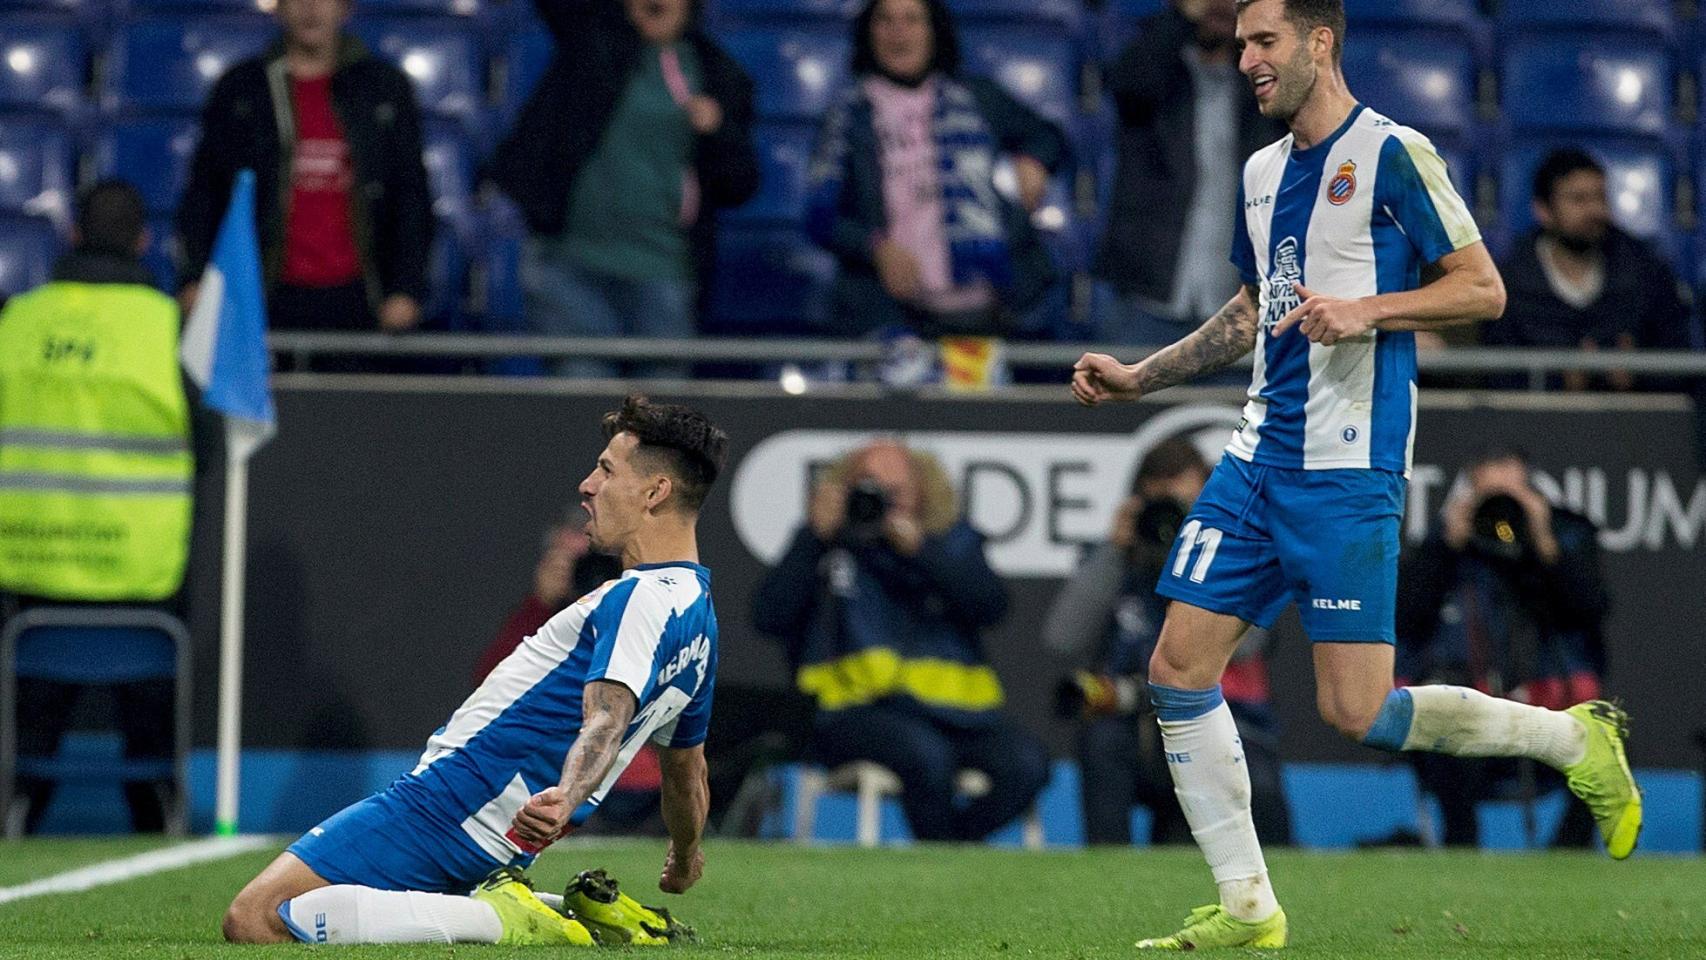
{"points": [[529, 755], [1338, 224]]}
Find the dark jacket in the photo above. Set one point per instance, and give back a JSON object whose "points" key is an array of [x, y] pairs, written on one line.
{"points": [[846, 224], [560, 125], [1157, 158], [390, 207], [1641, 298]]}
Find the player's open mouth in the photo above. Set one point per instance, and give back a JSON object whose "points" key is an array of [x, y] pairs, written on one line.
{"points": [[1263, 84]]}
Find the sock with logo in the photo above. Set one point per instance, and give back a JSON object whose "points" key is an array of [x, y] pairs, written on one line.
{"points": [[1468, 723], [1206, 758], [346, 913]]}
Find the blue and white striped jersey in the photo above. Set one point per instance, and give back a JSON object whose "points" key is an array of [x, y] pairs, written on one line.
{"points": [[1358, 214], [653, 631]]}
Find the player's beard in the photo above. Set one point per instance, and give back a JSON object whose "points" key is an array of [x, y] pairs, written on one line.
{"points": [[1292, 87]]}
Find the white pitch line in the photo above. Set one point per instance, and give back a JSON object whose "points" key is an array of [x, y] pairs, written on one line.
{"points": [[140, 865]]}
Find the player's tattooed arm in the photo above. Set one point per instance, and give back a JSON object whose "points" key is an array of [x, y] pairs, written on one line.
{"points": [[1217, 344], [607, 708]]}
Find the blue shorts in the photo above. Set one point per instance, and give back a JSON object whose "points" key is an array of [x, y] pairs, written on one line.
{"points": [[1261, 537], [380, 842]]}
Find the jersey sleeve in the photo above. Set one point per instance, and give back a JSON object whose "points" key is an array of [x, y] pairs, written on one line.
{"points": [[688, 729], [629, 625], [1243, 251], [1416, 191]]}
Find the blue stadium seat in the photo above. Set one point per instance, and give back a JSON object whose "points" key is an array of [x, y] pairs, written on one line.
{"points": [[138, 8], [37, 173], [727, 13], [525, 55], [28, 246], [1640, 179], [768, 280], [797, 71], [450, 169], [1656, 16], [170, 63], [151, 152], [158, 257], [784, 151], [1056, 13], [447, 8], [1039, 69], [1414, 78], [441, 55], [43, 60], [1604, 84], [1410, 13]]}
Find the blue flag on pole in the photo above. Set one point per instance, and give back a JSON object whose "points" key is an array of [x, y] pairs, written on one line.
{"points": [[225, 339]]}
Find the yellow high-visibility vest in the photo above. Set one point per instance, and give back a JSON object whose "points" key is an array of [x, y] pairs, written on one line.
{"points": [[95, 461]]}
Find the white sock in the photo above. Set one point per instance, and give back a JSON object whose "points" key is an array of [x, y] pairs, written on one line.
{"points": [[1468, 723], [1206, 757], [345, 913]]}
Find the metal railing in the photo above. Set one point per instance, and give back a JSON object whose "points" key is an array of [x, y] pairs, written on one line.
{"points": [[1535, 365]]}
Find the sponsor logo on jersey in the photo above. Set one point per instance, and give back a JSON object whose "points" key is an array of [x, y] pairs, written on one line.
{"points": [[1282, 283], [1322, 603], [1343, 186]]}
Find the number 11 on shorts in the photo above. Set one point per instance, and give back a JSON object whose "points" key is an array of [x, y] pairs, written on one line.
{"points": [[1192, 536]]}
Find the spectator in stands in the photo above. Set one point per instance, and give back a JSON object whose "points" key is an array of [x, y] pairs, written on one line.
{"points": [[1576, 280], [879, 603], [1186, 124], [89, 383], [1109, 609], [568, 570], [901, 187], [334, 137], [1506, 595], [640, 128]]}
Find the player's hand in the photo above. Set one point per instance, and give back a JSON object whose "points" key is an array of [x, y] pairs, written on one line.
{"points": [[1124, 533], [898, 270], [903, 532], [680, 871], [828, 511], [1097, 377], [1326, 320], [543, 817], [704, 114], [1459, 517]]}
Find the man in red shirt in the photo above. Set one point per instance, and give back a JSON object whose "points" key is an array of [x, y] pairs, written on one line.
{"points": [[342, 204]]}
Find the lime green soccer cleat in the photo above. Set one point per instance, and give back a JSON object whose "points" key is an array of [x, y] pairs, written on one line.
{"points": [[1602, 778], [526, 919], [1210, 927], [616, 918]]}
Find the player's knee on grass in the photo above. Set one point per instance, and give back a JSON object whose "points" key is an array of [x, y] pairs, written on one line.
{"points": [[253, 918]]}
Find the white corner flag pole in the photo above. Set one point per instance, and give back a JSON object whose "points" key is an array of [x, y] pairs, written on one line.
{"points": [[231, 632]]}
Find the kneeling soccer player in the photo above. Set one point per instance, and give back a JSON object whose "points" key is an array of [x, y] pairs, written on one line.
{"points": [[531, 752]]}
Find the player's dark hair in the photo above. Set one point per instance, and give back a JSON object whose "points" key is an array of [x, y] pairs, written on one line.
{"points": [[1168, 459], [680, 439], [110, 218], [1306, 15], [944, 40], [1556, 166]]}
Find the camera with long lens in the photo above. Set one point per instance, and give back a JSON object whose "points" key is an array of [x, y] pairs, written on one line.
{"points": [[867, 504], [1088, 696], [1159, 522], [1499, 530]]}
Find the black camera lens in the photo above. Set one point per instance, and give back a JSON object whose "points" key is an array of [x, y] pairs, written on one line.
{"points": [[1159, 521]]}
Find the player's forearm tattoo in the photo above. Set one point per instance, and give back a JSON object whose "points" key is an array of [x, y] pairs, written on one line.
{"points": [[1221, 340], [606, 709]]}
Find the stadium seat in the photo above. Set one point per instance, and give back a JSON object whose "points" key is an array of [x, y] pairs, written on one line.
{"points": [[450, 170], [441, 56], [170, 63], [797, 70], [1038, 68], [792, 273], [1639, 174], [1409, 13], [153, 153], [1609, 85], [158, 257], [728, 13], [1058, 14], [522, 61], [37, 173], [28, 246], [1656, 16], [449, 8], [145, 7], [43, 61], [1414, 78], [784, 151]]}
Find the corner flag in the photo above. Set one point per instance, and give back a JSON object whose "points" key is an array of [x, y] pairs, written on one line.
{"points": [[224, 341]]}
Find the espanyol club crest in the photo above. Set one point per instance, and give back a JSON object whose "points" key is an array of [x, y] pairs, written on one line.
{"points": [[1343, 186]]}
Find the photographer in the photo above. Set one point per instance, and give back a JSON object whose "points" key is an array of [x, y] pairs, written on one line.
{"points": [[879, 602], [1507, 597], [1109, 608]]}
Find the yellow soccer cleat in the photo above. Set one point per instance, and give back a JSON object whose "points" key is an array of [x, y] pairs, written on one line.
{"points": [[1602, 778], [1211, 927], [616, 918], [526, 919]]}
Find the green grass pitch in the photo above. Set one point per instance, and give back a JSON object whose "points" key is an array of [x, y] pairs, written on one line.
{"points": [[780, 901]]}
